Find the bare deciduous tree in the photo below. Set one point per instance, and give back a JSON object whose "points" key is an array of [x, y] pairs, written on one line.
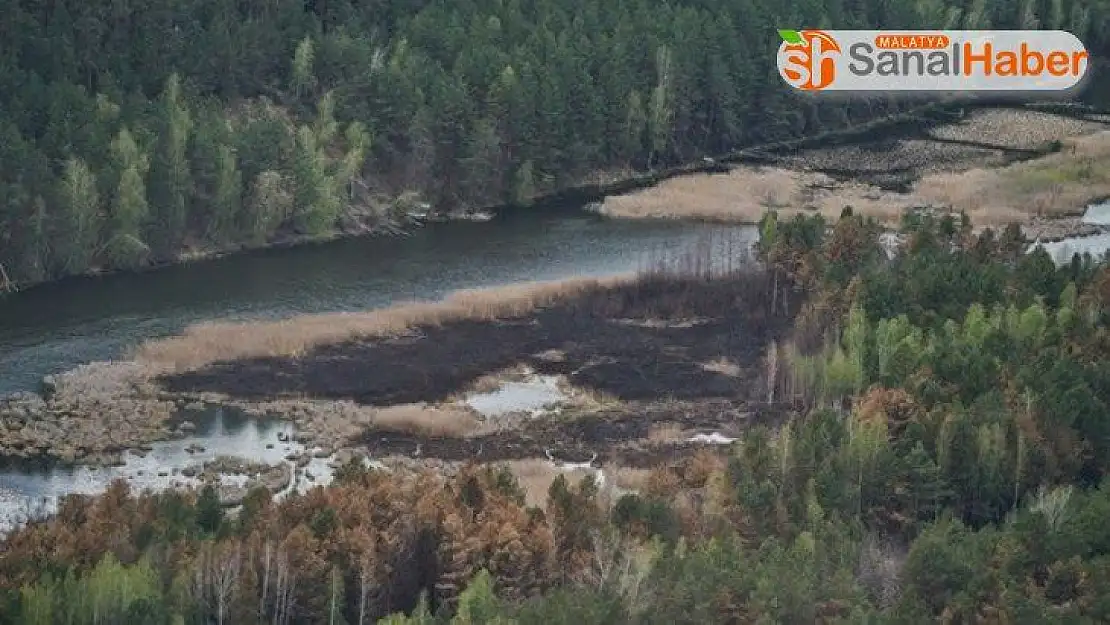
{"points": [[216, 579]]}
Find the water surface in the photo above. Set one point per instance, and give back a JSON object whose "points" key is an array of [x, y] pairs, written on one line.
{"points": [[57, 326]]}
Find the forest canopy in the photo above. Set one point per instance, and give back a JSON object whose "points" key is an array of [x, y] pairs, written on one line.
{"points": [[137, 132]]}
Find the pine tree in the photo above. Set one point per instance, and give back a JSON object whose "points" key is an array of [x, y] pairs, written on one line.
{"points": [[79, 230], [269, 203], [125, 247], [227, 203], [170, 180]]}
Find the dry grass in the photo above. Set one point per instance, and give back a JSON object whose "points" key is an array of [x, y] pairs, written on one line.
{"points": [[1055, 185], [491, 382], [745, 194], [628, 478], [206, 343], [425, 420], [535, 477], [666, 433]]}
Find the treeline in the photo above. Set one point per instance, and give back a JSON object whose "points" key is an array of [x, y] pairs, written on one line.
{"points": [[947, 462], [133, 133]]}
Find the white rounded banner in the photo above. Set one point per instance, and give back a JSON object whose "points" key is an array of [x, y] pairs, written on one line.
{"points": [[931, 60]]}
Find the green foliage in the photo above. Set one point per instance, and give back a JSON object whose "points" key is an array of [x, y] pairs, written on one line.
{"points": [[210, 513], [81, 222], [478, 605], [110, 593], [500, 102]]}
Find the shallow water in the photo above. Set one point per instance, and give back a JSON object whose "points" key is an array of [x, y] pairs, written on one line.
{"points": [[512, 397], [220, 432], [1097, 245]]}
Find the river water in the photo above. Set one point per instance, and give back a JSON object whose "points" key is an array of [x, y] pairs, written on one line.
{"points": [[55, 327], [58, 326]]}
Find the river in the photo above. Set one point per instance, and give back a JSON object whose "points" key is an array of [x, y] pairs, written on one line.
{"points": [[58, 326], [55, 327]]}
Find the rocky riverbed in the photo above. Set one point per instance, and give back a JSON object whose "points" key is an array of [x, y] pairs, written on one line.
{"points": [[89, 415]]}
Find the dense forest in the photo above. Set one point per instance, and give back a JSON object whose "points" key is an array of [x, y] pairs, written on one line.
{"points": [[948, 461], [140, 132]]}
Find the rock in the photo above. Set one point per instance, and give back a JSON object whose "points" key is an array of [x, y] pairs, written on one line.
{"points": [[49, 387], [231, 496], [277, 478]]}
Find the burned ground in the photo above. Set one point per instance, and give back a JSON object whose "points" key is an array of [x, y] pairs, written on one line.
{"points": [[619, 436], [627, 341], [676, 352]]}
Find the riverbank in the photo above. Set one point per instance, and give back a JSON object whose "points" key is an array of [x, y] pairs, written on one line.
{"points": [[999, 165], [97, 412], [396, 217]]}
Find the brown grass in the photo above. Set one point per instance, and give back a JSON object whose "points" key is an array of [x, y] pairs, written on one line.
{"points": [[1055, 185], [666, 433], [743, 196], [210, 342], [628, 478], [424, 420], [535, 477]]}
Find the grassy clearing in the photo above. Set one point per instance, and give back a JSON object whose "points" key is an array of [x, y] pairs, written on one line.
{"points": [[950, 174], [1057, 185], [744, 195], [211, 342]]}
